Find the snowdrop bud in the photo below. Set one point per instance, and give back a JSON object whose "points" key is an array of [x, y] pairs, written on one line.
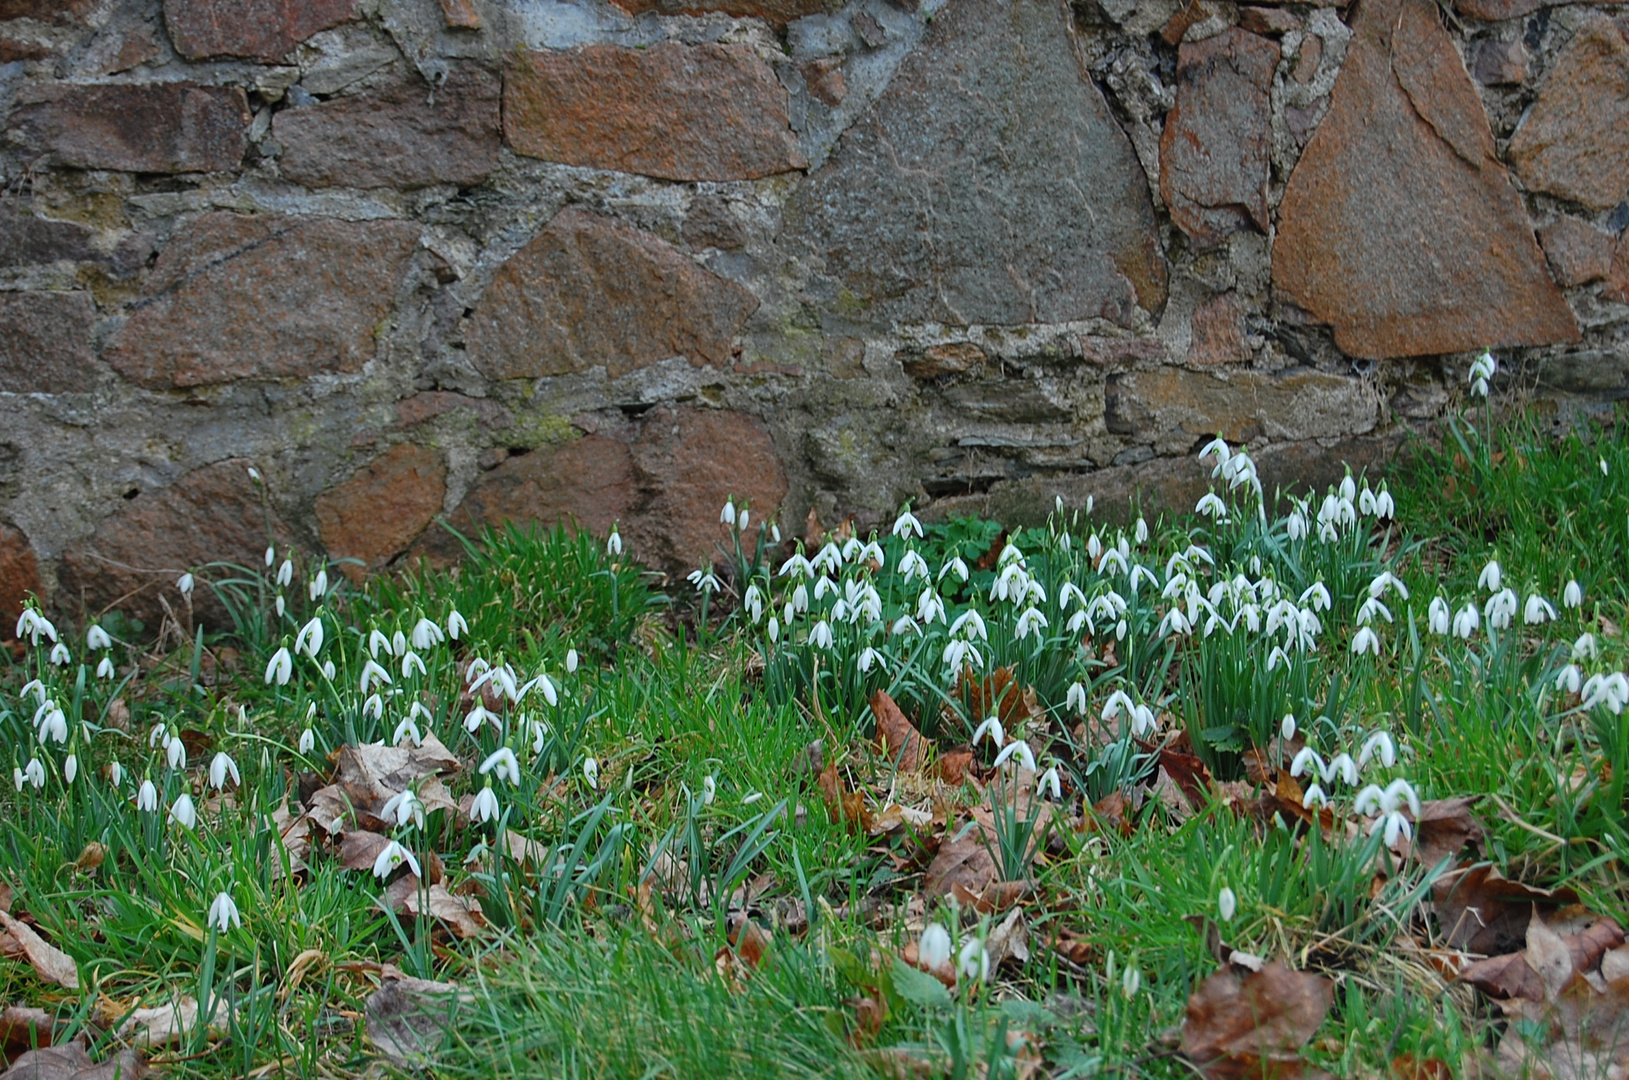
{"points": [[933, 951], [974, 961], [456, 626], [254, 474], [1130, 982], [147, 797], [285, 574], [726, 516], [318, 587], [1572, 596], [774, 629], [184, 583], [1603, 467], [1142, 531], [115, 774], [613, 543], [308, 741], [223, 913], [571, 661], [709, 790], [70, 768], [328, 670], [1286, 729], [183, 813], [1226, 904], [741, 521], [281, 604], [271, 556], [591, 772]]}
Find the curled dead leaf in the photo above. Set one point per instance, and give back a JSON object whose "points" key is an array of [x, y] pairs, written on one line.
{"points": [[1255, 1025], [50, 963], [460, 914], [408, 1019], [163, 1024], [900, 739], [70, 1061], [1482, 911]]}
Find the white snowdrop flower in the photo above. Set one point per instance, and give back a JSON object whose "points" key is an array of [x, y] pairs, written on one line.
{"points": [[1175, 622], [704, 580], [1342, 766], [929, 606], [1386, 807], [398, 643], [1491, 577], [545, 686], [1076, 621], [1307, 758], [572, 660], [1286, 727], [97, 638], [1604, 471], [426, 635], [1276, 657], [33, 773], [1141, 531], [372, 675], [1118, 701], [271, 556], [115, 774], [1585, 648], [184, 583], [476, 717], [958, 653], [1094, 547], [1295, 526], [1049, 781], [1500, 609], [800, 595], [1143, 720], [1466, 621], [1318, 594], [374, 707], [1131, 980], [1437, 615], [485, 806], [1314, 796], [774, 629], [1572, 596], [1569, 679], [1211, 505], [972, 622], [1365, 502], [1226, 904], [175, 752], [829, 559], [309, 639], [1609, 690], [220, 768], [328, 670], [974, 960], [1365, 641], [613, 543], [991, 729], [1369, 609], [906, 524], [955, 566], [1380, 743], [743, 519], [393, 856], [501, 763], [1387, 580], [1030, 622], [308, 741], [254, 474], [933, 950], [18, 778], [1348, 488], [318, 588], [52, 723], [1384, 507], [223, 913], [285, 574], [913, 565], [280, 668], [540, 735], [183, 813], [1075, 699], [726, 516], [59, 655], [412, 660], [821, 636], [37, 688], [456, 626], [591, 772], [405, 807], [376, 641], [869, 658], [280, 605], [1016, 748], [147, 797], [70, 768], [408, 729], [1537, 610]]}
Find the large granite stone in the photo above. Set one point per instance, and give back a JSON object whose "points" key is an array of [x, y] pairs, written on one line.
{"points": [[1173, 408], [239, 296], [775, 12], [1574, 142], [46, 10], [378, 512], [256, 29], [153, 128], [19, 577], [45, 342], [676, 112], [588, 291], [1399, 228], [26, 240], [1215, 151], [405, 136], [988, 184]]}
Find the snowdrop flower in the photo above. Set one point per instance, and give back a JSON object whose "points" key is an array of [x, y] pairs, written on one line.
{"points": [[974, 960], [476, 717], [958, 652], [374, 707], [1500, 609], [613, 543], [393, 856], [933, 950], [1537, 610], [1286, 727], [704, 580], [991, 728], [220, 768], [906, 524], [1609, 690], [52, 723], [1385, 508], [377, 641], [426, 635], [1491, 577], [1076, 698], [59, 655], [1276, 657], [1226, 904], [1118, 701], [318, 588], [869, 657], [1482, 370], [308, 741], [502, 764], [591, 772], [1143, 720], [97, 638], [281, 667], [774, 629], [410, 661], [405, 807], [1049, 781], [1466, 622], [1387, 580], [372, 675], [1585, 648], [485, 805], [929, 606], [1305, 758], [456, 626], [1603, 467], [185, 583], [973, 623], [1295, 526], [913, 565], [1437, 615], [1369, 609], [726, 516], [1365, 641], [1094, 546], [115, 774], [408, 729], [147, 797], [954, 566], [1318, 595], [1341, 765], [1030, 622], [1175, 622], [223, 913], [1016, 748], [280, 604], [183, 813], [821, 636], [309, 639], [1314, 797], [70, 768], [1211, 505], [33, 774], [1378, 743], [828, 559], [1572, 596], [1386, 807], [1141, 531], [285, 574], [1569, 679]]}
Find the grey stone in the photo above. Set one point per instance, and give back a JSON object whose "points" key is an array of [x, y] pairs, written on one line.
{"points": [[989, 184]]}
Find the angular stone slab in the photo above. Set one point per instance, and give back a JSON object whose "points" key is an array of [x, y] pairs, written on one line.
{"points": [[1574, 142], [675, 112], [775, 12], [19, 577], [26, 240], [45, 342], [1399, 227], [238, 296], [210, 514], [406, 136], [153, 128], [1176, 408], [380, 510], [1215, 151], [988, 184], [254, 29], [589, 291]]}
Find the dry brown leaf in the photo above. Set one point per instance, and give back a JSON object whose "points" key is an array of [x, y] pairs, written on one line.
{"points": [[6, 894], [1255, 1025], [407, 1018], [1189, 773], [1409, 1067], [162, 1024], [1582, 1035], [461, 914], [1615, 964], [69, 1061], [997, 896], [869, 1014], [963, 860], [1111, 812], [1505, 977], [1481, 911], [359, 849], [91, 857], [1445, 828], [1009, 940], [842, 804], [50, 963], [295, 834], [750, 941], [900, 739], [955, 765], [24, 1028]]}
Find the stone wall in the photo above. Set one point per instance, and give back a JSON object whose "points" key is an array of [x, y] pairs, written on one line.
{"points": [[487, 259]]}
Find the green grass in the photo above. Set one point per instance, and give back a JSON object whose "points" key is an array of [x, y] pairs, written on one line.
{"points": [[612, 943]]}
